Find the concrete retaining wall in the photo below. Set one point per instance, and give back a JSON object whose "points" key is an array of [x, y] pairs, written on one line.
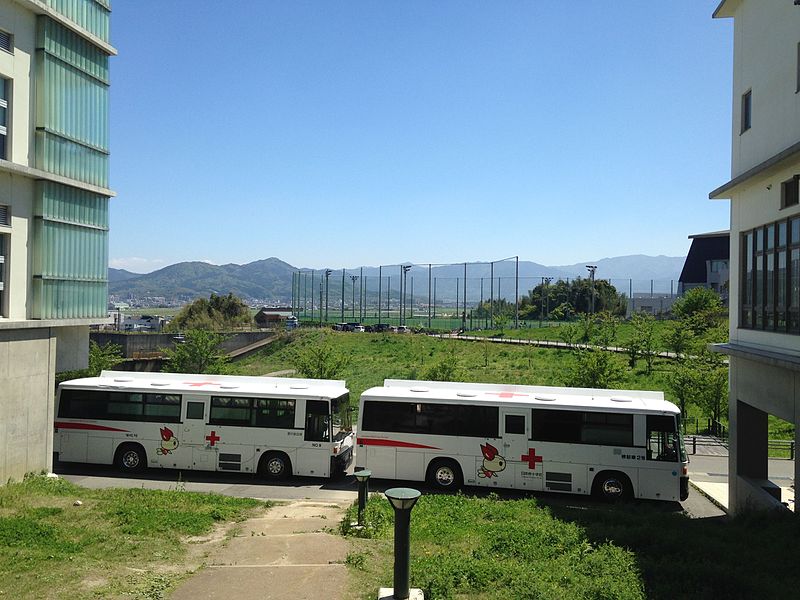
{"points": [[136, 345]]}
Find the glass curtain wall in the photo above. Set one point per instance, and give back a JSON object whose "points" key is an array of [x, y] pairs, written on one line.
{"points": [[70, 270]]}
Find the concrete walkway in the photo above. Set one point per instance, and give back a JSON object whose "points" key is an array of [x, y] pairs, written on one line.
{"points": [[286, 554]]}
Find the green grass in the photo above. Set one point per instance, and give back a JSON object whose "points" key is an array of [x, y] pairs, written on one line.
{"points": [[374, 357], [51, 548], [481, 548]]}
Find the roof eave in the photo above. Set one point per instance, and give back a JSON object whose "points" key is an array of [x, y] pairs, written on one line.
{"points": [[724, 10]]}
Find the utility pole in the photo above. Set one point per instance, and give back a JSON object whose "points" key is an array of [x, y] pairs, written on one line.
{"points": [[547, 281]]}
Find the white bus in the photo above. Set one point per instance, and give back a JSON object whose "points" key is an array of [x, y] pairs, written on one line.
{"points": [[611, 443], [276, 427]]}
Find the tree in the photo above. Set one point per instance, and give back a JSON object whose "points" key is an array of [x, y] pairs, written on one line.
{"points": [[445, 368], [684, 381], [678, 338], [698, 300], [595, 369], [102, 358], [586, 325], [320, 359], [569, 334], [644, 336], [607, 325], [215, 314], [198, 353]]}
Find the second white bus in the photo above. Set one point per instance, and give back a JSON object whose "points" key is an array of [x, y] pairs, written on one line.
{"points": [[273, 426], [611, 443]]}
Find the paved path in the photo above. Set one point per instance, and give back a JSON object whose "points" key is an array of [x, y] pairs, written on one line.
{"points": [[283, 373], [709, 474], [285, 555]]}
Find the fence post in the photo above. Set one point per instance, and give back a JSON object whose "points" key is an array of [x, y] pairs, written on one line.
{"points": [[791, 450], [694, 444]]}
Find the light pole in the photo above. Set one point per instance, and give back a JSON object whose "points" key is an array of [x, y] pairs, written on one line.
{"points": [[547, 281], [402, 500], [343, 273], [404, 286], [354, 278], [327, 277], [592, 269]]}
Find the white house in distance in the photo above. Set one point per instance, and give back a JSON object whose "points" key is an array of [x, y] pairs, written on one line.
{"points": [[764, 347]]}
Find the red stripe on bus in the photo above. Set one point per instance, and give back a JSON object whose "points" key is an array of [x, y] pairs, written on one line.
{"points": [[61, 425], [395, 443]]}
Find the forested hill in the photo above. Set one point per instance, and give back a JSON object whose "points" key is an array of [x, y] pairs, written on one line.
{"points": [[271, 279]]}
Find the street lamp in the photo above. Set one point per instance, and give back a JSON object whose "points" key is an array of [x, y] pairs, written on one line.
{"points": [[362, 477], [592, 269], [402, 500]]}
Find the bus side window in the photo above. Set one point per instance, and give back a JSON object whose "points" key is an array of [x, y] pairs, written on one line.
{"points": [[195, 410], [317, 421]]}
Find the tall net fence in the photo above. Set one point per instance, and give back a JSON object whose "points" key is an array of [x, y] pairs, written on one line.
{"points": [[472, 295]]}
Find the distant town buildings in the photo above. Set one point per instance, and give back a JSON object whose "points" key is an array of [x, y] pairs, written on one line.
{"points": [[54, 196], [764, 347]]}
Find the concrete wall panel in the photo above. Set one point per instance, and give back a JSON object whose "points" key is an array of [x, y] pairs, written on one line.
{"points": [[26, 402]]}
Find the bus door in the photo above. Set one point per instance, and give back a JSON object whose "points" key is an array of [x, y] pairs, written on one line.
{"points": [[197, 455], [314, 454], [511, 462]]}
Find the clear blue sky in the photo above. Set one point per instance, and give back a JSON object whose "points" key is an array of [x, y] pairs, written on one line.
{"points": [[362, 133]]}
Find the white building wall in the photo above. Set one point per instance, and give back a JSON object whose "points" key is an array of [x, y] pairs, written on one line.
{"points": [[766, 35]]}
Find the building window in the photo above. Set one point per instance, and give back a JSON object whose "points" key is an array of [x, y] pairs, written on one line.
{"points": [[6, 42], [719, 266], [5, 215], [770, 277], [747, 110], [789, 192], [5, 88]]}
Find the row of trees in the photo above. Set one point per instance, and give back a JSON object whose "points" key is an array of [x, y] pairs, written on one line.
{"points": [[697, 376], [559, 301]]}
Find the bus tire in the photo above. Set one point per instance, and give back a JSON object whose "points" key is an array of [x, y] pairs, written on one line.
{"points": [[130, 458], [275, 466], [612, 486], [445, 474]]}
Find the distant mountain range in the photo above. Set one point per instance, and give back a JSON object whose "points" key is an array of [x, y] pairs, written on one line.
{"points": [[270, 280]]}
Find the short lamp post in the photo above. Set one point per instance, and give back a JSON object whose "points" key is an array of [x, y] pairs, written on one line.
{"points": [[363, 493], [402, 500]]}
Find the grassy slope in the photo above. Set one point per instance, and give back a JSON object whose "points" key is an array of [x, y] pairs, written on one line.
{"points": [[50, 548], [516, 549]]}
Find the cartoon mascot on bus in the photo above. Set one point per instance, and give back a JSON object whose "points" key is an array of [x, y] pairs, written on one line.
{"points": [[493, 463], [168, 441]]}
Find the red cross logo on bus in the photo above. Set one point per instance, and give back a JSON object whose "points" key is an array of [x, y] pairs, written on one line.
{"points": [[506, 394], [200, 384], [531, 458], [214, 438]]}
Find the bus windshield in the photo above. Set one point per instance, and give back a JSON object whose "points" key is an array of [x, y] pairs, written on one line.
{"points": [[664, 443], [342, 420]]}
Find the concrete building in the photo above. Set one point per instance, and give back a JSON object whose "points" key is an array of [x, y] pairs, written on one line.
{"points": [[54, 199], [764, 300], [707, 264]]}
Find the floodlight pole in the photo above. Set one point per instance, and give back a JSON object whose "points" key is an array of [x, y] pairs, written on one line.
{"points": [[592, 269], [353, 278]]}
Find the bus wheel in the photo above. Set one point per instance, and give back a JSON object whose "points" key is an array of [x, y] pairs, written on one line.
{"points": [[444, 474], [612, 486], [131, 458], [275, 465]]}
